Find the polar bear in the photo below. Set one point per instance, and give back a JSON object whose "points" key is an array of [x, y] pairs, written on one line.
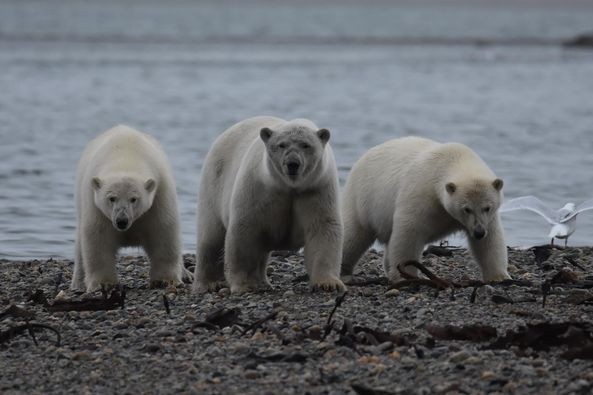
{"points": [[411, 191], [268, 184], [125, 196]]}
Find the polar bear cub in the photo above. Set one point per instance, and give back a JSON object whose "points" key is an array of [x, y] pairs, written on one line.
{"points": [[125, 196], [268, 184], [411, 191]]}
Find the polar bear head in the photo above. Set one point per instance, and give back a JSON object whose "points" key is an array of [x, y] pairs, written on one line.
{"points": [[295, 151], [123, 199], [474, 203]]}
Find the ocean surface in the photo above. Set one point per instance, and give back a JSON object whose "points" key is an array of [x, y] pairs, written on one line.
{"points": [[494, 77]]}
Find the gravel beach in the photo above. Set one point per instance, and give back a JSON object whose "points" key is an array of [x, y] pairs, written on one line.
{"points": [[382, 340]]}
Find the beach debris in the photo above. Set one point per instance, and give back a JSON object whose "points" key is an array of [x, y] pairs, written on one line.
{"points": [[542, 253], [256, 324], [543, 336], [166, 304], [472, 332], [329, 325], [220, 318], [362, 389], [18, 312], [278, 357], [114, 300]]}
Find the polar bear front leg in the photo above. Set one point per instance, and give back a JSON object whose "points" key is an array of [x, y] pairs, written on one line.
{"points": [[404, 245], [78, 271], [323, 250], [166, 261], [491, 253], [245, 260], [99, 251]]}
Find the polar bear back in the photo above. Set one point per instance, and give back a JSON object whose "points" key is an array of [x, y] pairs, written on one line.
{"points": [[409, 168], [224, 160]]}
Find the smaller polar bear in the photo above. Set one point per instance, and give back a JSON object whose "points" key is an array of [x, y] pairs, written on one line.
{"points": [[412, 191], [268, 184], [125, 196]]}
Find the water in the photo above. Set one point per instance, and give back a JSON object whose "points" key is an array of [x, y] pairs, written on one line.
{"points": [[185, 71]]}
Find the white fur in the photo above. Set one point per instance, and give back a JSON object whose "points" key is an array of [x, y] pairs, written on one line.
{"points": [[396, 194], [120, 164], [247, 207]]}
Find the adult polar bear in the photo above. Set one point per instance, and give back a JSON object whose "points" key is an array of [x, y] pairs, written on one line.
{"points": [[412, 191], [125, 196], [268, 184]]}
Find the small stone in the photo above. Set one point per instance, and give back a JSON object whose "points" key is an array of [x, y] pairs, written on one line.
{"points": [[81, 356], [61, 295], [315, 332], [270, 270], [251, 374], [487, 375], [472, 360], [366, 359], [458, 357], [392, 293], [288, 294], [367, 292], [216, 380], [394, 354], [224, 291], [411, 299], [152, 348]]}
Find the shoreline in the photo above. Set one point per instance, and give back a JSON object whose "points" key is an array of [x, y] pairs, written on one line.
{"points": [[381, 339]]}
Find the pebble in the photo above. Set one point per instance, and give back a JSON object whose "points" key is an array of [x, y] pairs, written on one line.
{"points": [[252, 374], [81, 356], [458, 357], [392, 292], [288, 294]]}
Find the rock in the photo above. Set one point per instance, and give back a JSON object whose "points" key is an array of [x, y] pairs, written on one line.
{"points": [[392, 293], [252, 374], [487, 375], [81, 356], [315, 332], [459, 357], [288, 294]]}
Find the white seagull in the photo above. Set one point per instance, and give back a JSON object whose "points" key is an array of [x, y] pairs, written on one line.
{"points": [[563, 221]]}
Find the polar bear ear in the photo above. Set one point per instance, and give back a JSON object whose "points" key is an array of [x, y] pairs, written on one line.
{"points": [[265, 134], [149, 185], [96, 181], [323, 135], [451, 187], [497, 184]]}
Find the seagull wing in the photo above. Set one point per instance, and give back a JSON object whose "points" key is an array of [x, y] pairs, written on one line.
{"points": [[585, 206], [530, 203]]}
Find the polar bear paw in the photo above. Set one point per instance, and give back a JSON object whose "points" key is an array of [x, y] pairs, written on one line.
{"points": [[202, 287], [495, 277], [327, 283]]}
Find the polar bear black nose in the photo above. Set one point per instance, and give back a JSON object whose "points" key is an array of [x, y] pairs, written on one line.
{"points": [[479, 232], [293, 168], [122, 223]]}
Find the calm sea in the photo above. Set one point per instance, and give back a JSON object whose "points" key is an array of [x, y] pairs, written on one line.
{"points": [[494, 77]]}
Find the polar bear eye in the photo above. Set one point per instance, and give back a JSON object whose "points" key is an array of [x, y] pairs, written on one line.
{"points": [[282, 145], [133, 200], [486, 209], [305, 146], [467, 210], [112, 199]]}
